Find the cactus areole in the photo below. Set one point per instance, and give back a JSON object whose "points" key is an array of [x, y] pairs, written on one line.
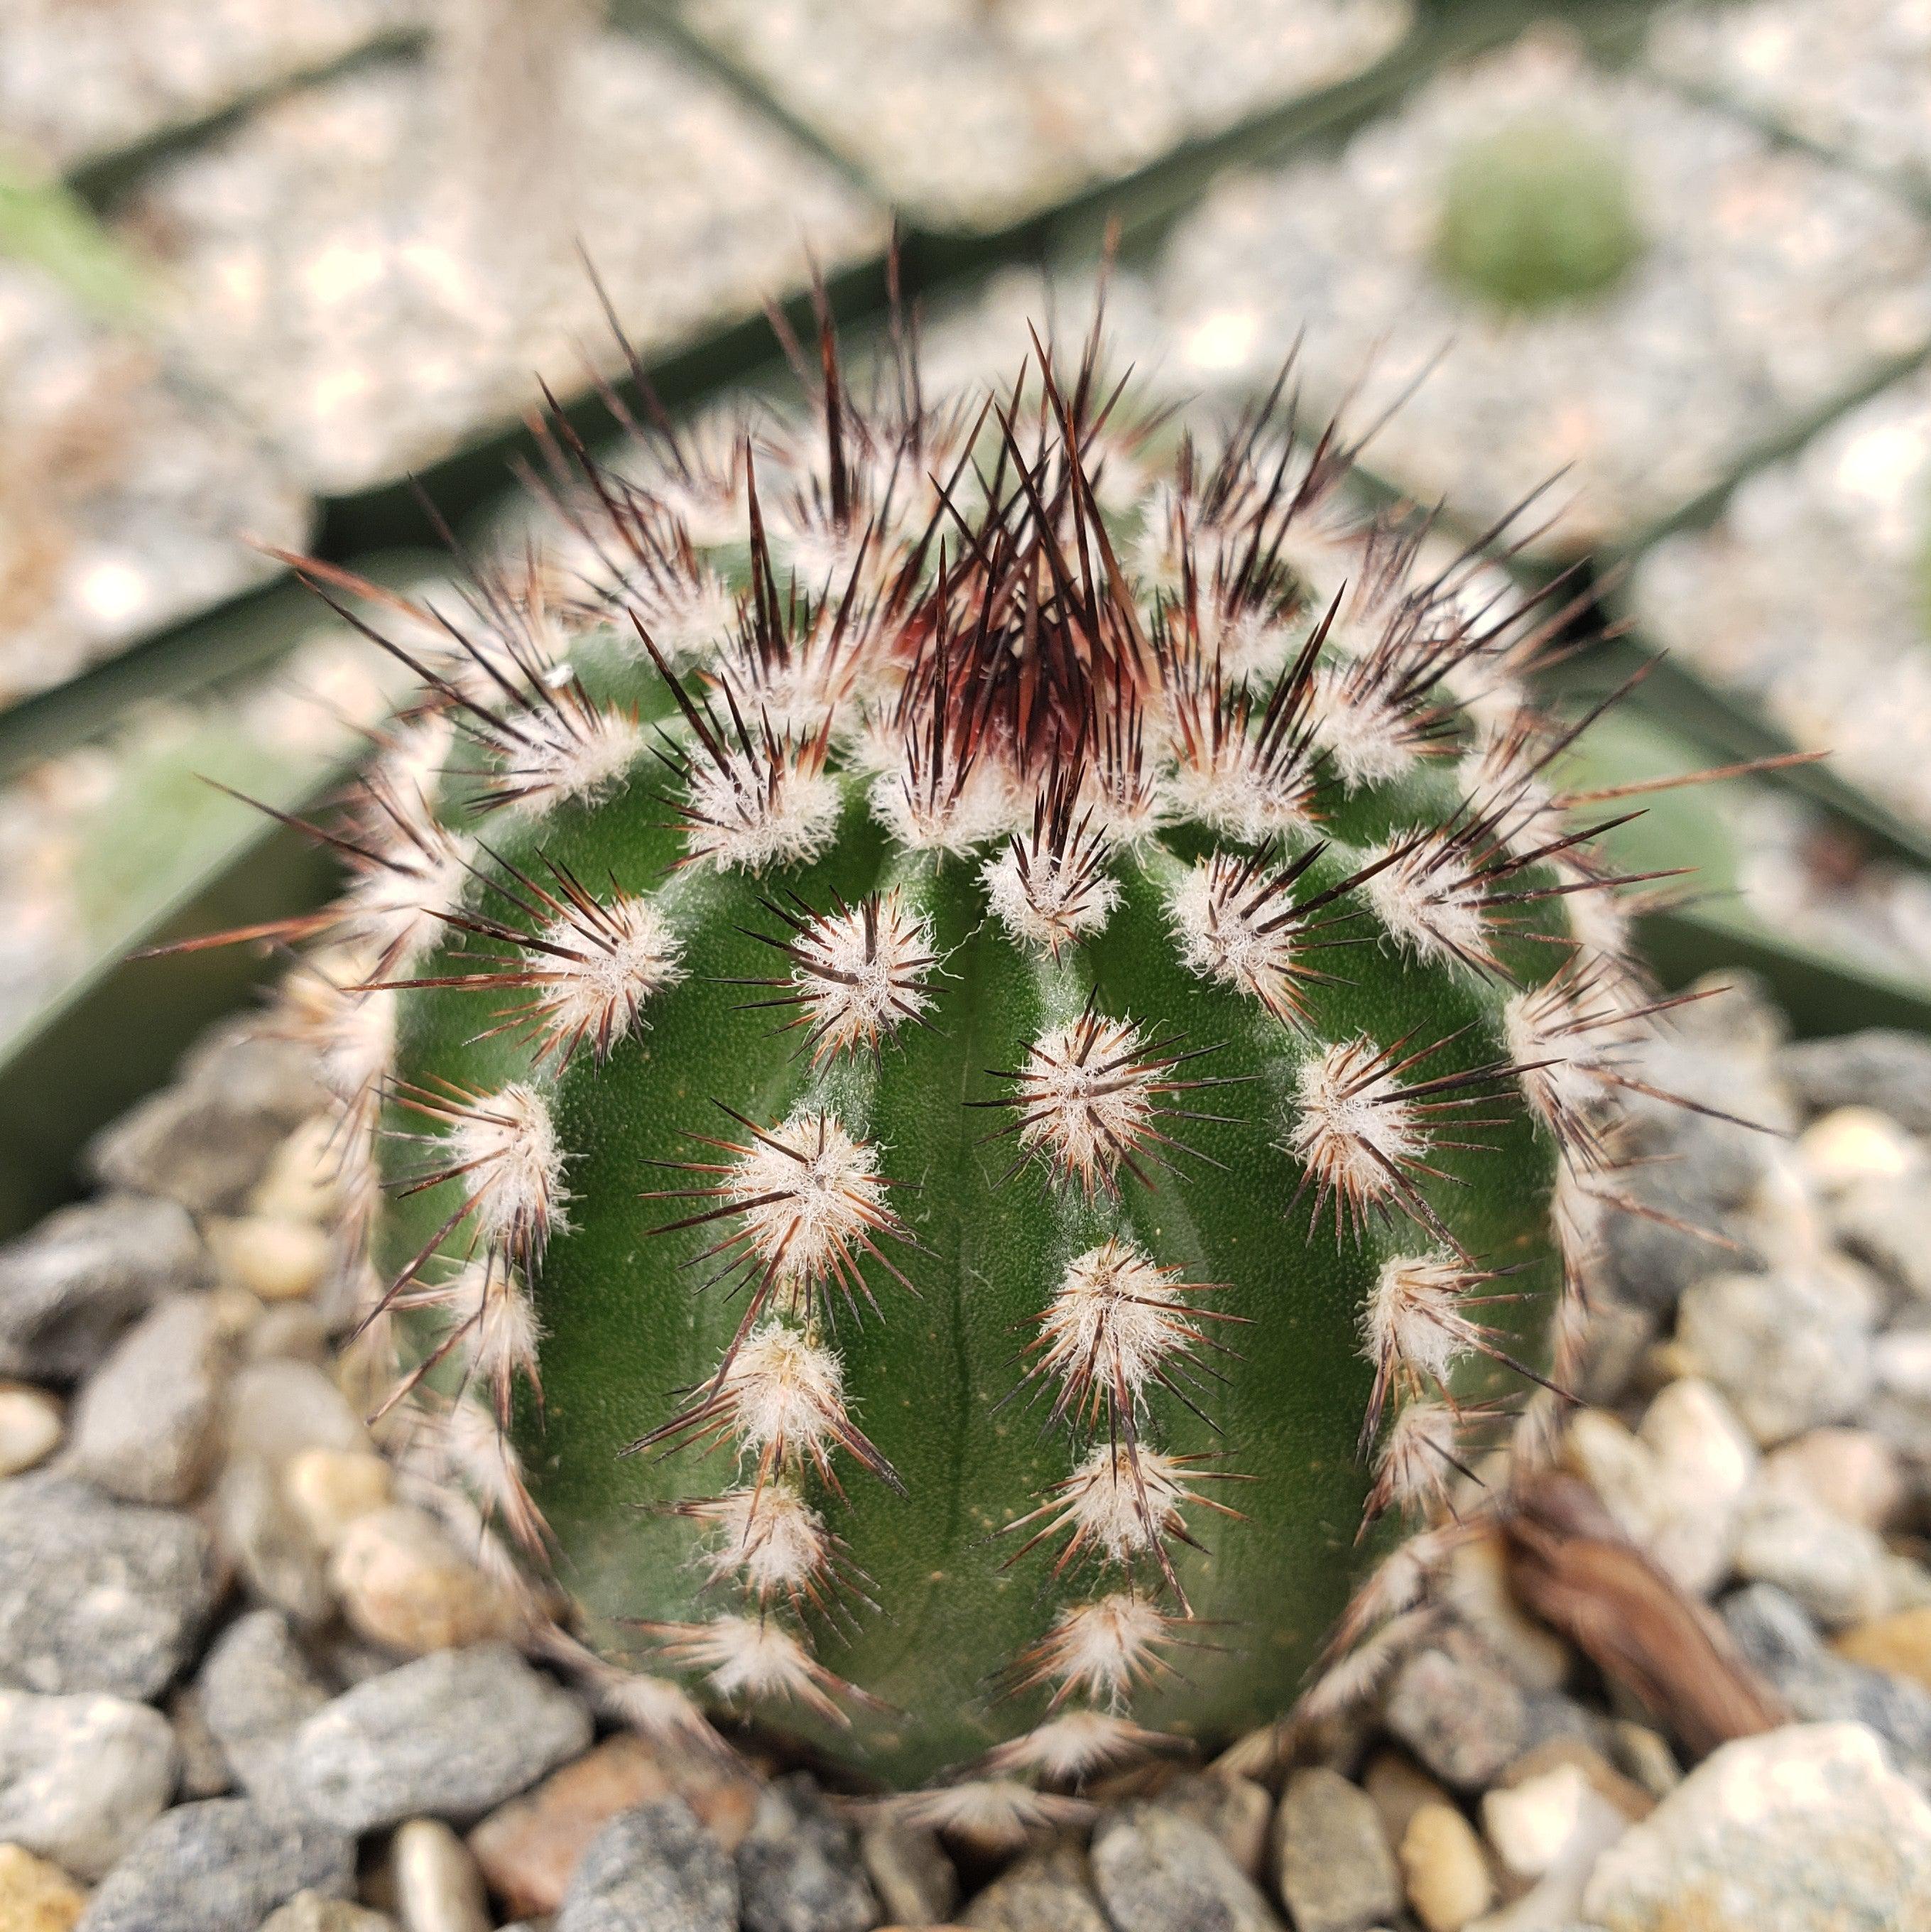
{"points": [[979, 1034]]}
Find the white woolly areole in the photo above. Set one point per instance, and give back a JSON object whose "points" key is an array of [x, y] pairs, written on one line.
{"points": [[1496, 778], [1222, 941], [809, 1193], [1085, 1100], [1069, 1747], [747, 815], [770, 1535], [995, 1815], [1043, 903], [1125, 1501], [1099, 1650], [502, 1342], [1599, 920], [1427, 899], [397, 907], [1419, 1454], [751, 1657], [1558, 1064], [1413, 1317], [597, 974], [1354, 1133], [688, 616], [1114, 1320], [925, 818], [580, 753], [861, 974], [1363, 732], [1230, 789], [504, 1145], [786, 1392]]}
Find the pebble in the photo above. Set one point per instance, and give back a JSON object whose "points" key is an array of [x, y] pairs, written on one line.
{"points": [[1399, 1788], [1880, 1068], [97, 1594], [1478, 1586], [144, 1423], [654, 1866], [329, 1489], [30, 1428], [1838, 1571], [296, 1330], [1644, 1757], [1443, 1869], [1853, 1473], [1337, 1873], [220, 1866], [1461, 1714], [1556, 1823], [437, 1886], [529, 1849], [1156, 1871], [914, 1881], [277, 1408], [798, 1868], [268, 1544], [1051, 1892], [35, 1895], [1887, 1223], [1790, 1350], [310, 1912], [1236, 1810], [1774, 1635], [256, 1689], [403, 1583], [81, 1777], [1804, 1829], [70, 1287], [450, 1735], [1854, 1144], [304, 1180], [275, 1259], [1900, 1644], [204, 1772]]}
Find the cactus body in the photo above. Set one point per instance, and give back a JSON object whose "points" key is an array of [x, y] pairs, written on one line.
{"points": [[977, 1056]]}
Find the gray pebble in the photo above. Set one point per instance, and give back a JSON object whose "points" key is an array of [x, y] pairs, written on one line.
{"points": [[310, 1912], [915, 1881], [1156, 1871], [1888, 1070], [144, 1425], [221, 1866], [255, 1691], [447, 1736], [268, 1544], [655, 1866], [1051, 1892], [69, 1288], [798, 1868], [1819, 1686], [1462, 1715], [81, 1777], [96, 1594], [1337, 1871]]}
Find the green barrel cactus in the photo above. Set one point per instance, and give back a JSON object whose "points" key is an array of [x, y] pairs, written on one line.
{"points": [[981, 1035]]}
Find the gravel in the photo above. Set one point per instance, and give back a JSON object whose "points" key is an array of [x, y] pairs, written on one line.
{"points": [[798, 1869], [656, 1867], [1156, 1872], [255, 1691], [1337, 1873]]}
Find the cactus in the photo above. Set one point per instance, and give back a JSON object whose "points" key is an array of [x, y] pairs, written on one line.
{"points": [[983, 1069], [1538, 213]]}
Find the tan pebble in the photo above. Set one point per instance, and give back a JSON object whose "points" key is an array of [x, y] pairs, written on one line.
{"points": [[403, 1583], [1855, 1143], [35, 1896], [302, 1182], [1624, 1793], [330, 1489], [30, 1427], [1899, 1643], [276, 1260], [1400, 1788], [1855, 1475], [437, 1886], [529, 1848], [1444, 1869], [1479, 1584]]}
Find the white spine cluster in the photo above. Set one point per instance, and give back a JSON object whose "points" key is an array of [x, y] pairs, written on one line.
{"points": [[1086, 1099], [595, 972], [503, 1149], [1048, 899], [1354, 1131], [1232, 932], [863, 972], [753, 811]]}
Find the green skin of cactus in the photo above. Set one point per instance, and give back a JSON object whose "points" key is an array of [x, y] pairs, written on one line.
{"points": [[935, 1379], [1538, 215]]}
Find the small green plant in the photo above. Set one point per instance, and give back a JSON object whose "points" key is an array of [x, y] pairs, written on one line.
{"points": [[984, 1067], [1537, 214]]}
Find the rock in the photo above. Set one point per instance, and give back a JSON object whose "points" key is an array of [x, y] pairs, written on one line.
{"points": [[403, 1583], [256, 1690], [1556, 1823], [96, 1594], [1157, 1872], [330, 1489], [204, 1768], [81, 1777], [1899, 1644], [145, 1422], [1790, 1350], [447, 1736], [1837, 1570], [437, 1886], [1886, 1222], [1774, 1634], [1644, 1758], [1336, 1872], [220, 1866], [911, 1874], [1459, 1713], [35, 1896], [206, 1140], [1856, 1144], [1853, 1473], [1883, 1069], [1632, 1799], [530, 1848], [30, 1427], [1399, 1788], [293, 1329], [798, 1868], [68, 1289], [304, 1180], [1901, 1364], [1051, 1892], [1236, 1811], [1805, 1829], [277, 1408], [654, 1866], [274, 1260], [310, 1912], [1442, 1866], [1478, 1586], [268, 1544]]}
